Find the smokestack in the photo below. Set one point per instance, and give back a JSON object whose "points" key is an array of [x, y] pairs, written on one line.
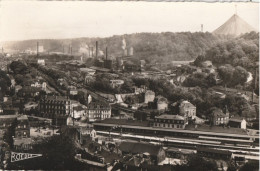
{"points": [[89, 51], [2, 50], [63, 49], [255, 86], [71, 50], [37, 48], [201, 27], [96, 49], [106, 53]]}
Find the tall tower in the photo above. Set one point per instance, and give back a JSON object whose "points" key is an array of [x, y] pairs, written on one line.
{"points": [[201, 27], [106, 53], [37, 49], [96, 49]]}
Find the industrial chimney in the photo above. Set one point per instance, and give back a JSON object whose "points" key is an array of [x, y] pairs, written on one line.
{"points": [[96, 49], [106, 53], [37, 49], [131, 51]]}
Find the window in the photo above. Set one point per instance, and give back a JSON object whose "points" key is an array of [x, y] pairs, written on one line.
{"points": [[24, 126]]}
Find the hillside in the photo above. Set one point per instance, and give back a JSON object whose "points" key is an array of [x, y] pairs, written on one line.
{"points": [[242, 51], [153, 47]]}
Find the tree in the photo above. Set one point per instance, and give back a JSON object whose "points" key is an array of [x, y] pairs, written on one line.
{"points": [[197, 163], [19, 78], [18, 67], [239, 76], [252, 166], [226, 73], [5, 81]]}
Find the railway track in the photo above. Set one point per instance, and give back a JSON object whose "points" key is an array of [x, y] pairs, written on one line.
{"points": [[185, 143]]}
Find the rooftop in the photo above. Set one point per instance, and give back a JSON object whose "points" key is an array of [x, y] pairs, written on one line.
{"points": [[203, 129], [87, 70], [149, 92], [8, 116], [217, 113], [100, 69], [161, 99], [22, 117], [236, 119], [60, 98], [211, 150], [125, 122], [186, 103], [175, 117], [138, 147], [217, 129], [20, 141], [98, 105]]}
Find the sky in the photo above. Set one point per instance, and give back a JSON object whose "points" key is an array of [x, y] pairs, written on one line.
{"points": [[72, 19]]}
